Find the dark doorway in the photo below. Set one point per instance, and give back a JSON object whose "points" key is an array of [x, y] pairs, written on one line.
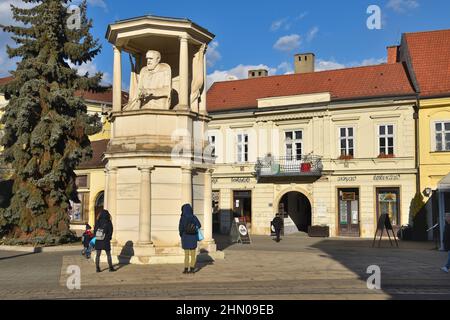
{"points": [[242, 205], [297, 206], [348, 200]]}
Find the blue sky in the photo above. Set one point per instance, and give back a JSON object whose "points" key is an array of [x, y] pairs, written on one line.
{"points": [[268, 33]]}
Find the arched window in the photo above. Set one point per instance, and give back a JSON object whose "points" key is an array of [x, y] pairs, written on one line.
{"points": [[99, 203]]}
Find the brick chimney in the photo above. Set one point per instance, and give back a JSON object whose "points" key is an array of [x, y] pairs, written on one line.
{"points": [[392, 52]]}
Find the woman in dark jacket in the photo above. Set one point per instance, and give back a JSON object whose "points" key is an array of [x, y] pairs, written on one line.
{"points": [[104, 223], [188, 240]]}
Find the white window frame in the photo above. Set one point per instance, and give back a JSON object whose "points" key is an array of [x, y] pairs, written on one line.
{"points": [[212, 141], [294, 156], [346, 138], [244, 156], [386, 137], [434, 135]]}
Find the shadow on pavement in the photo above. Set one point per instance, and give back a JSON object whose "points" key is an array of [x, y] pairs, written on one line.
{"points": [[358, 255], [19, 255], [223, 241]]}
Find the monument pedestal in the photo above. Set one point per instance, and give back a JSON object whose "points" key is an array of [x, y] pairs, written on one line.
{"points": [[156, 160]]}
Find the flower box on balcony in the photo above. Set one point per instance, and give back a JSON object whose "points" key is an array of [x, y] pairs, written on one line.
{"points": [[386, 156], [346, 157], [305, 167]]}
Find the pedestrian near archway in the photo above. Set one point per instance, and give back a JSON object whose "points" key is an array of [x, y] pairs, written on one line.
{"points": [[103, 233], [277, 224], [188, 229]]}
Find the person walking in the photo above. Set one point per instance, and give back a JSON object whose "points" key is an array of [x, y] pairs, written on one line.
{"points": [[278, 225], [447, 242], [103, 233], [188, 228]]}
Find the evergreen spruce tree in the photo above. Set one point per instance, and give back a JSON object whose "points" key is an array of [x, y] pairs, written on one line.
{"points": [[46, 127]]}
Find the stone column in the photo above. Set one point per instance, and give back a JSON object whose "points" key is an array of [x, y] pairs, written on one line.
{"points": [[184, 73], [202, 106], [112, 196], [117, 82], [145, 216], [207, 218], [186, 188]]}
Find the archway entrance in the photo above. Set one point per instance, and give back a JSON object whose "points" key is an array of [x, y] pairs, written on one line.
{"points": [[296, 206], [99, 204]]}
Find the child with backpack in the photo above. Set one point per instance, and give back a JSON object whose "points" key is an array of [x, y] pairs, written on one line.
{"points": [[86, 239]]}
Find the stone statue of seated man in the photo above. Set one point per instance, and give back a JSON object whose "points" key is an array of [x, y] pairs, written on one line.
{"points": [[154, 85]]}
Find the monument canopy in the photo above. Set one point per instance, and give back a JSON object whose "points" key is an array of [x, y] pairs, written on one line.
{"points": [[154, 32]]}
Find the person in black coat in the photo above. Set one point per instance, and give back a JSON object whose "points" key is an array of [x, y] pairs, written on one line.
{"points": [[278, 225], [103, 224], [188, 239], [447, 242]]}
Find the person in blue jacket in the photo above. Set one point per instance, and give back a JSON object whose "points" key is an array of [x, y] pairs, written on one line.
{"points": [[188, 228]]}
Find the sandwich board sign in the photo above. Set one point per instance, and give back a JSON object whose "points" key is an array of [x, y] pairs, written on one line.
{"points": [[384, 223], [239, 232]]}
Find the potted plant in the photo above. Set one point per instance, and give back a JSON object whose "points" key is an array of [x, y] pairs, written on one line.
{"points": [[306, 164], [346, 157], [385, 156]]}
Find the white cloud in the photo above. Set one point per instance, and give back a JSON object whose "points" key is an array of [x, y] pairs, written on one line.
{"points": [[323, 65], [302, 15], [402, 6], [94, 3], [6, 18], [91, 68], [212, 54], [312, 34], [98, 3], [238, 72], [288, 43], [285, 68], [276, 25]]}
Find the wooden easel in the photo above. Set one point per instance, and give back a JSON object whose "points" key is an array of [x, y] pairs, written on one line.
{"points": [[384, 223]]}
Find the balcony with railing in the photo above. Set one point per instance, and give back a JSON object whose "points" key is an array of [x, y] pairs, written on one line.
{"points": [[306, 166]]}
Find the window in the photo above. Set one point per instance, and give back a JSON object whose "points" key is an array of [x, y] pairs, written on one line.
{"points": [[82, 181], [386, 139], [347, 142], [294, 144], [212, 146], [442, 134], [388, 202], [79, 210], [242, 147]]}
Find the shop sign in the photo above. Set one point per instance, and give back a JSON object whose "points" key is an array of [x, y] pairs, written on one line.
{"points": [[393, 177], [240, 180], [347, 179]]}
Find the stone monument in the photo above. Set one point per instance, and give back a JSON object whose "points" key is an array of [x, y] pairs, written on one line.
{"points": [[155, 156]]}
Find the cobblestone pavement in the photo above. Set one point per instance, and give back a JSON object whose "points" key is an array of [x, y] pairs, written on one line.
{"points": [[296, 268]]}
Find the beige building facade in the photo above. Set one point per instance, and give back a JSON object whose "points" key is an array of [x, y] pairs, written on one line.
{"points": [[316, 159], [316, 199]]}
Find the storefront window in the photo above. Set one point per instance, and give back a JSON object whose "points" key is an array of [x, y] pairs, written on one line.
{"points": [[389, 203], [79, 210]]}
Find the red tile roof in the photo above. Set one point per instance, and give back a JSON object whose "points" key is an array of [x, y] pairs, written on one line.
{"points": [[98, 150], [5, 80], [100, 97], [343, 84], [430, 58]]}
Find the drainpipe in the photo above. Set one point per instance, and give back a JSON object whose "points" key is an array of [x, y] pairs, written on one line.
{"points": [[417, 131]]}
